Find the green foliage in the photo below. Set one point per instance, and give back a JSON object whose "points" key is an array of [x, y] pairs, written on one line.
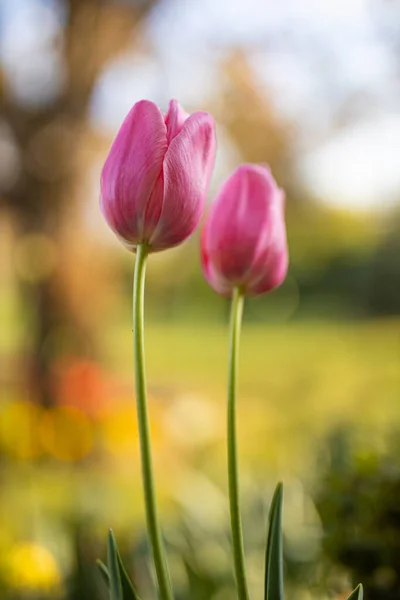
{"points": [[359, 489], [113, 569], [115, 576], [357, 594], [274, 551], [103, 571]]}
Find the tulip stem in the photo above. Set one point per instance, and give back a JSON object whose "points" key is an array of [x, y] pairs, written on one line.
{"points": [[233, 471], [153, 525]]}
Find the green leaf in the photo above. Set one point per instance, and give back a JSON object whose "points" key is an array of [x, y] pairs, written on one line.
{"points": [[127, 585], [113, 569], [103, 572], [128, 589], [357, 594], [274, 552]]}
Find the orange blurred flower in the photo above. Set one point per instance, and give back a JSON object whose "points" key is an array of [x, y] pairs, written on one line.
{"points": [[82, 384]]}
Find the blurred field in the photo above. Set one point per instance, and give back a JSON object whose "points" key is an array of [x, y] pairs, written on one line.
{"points": [[297, 381], [302, 374]]}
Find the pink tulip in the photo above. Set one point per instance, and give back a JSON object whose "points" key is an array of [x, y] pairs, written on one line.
{"points": [[156, 176], [243, 242]]}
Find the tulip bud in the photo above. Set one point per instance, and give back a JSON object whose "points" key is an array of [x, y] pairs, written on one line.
{"points": [[243, 242], [156, 176]]}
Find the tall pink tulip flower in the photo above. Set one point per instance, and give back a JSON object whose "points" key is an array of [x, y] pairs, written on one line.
{"points": [[156, 176], [243, 243]]}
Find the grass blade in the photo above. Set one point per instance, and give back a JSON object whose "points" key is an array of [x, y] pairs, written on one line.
{"points": [[113, 569], [357, 594], [103, 572], [128, 589], [274, 551]]}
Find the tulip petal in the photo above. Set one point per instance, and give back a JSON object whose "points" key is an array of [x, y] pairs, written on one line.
{"points": [[188, 166], [274, 273], [243, 242], [214, 278], [174, 119], [240, 213], [270, 262], [153, 208], [132, 170]]}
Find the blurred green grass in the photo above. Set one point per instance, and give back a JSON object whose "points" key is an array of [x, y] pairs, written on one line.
{"points": [[325, 368], [296, 380]]}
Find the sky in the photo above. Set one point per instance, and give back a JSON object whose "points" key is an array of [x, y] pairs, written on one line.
{"points": [[314, 57]]}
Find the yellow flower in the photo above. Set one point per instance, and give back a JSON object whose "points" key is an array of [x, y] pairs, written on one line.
{"points": [[31, 567]]}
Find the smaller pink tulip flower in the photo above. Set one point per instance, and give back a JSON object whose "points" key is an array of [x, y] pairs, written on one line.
{"points": [[243, 242], [156, 176]]}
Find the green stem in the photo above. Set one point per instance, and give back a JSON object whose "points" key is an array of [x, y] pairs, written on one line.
{"points": [[233, 472], [153, 526]]}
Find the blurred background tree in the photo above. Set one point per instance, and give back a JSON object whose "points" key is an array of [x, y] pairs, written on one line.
{"points": [[46, 132], [252, 123]]}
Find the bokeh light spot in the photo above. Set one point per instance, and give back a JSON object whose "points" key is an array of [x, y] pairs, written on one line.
{"points": [[31, 568], [66, 433], [19, 422]]}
